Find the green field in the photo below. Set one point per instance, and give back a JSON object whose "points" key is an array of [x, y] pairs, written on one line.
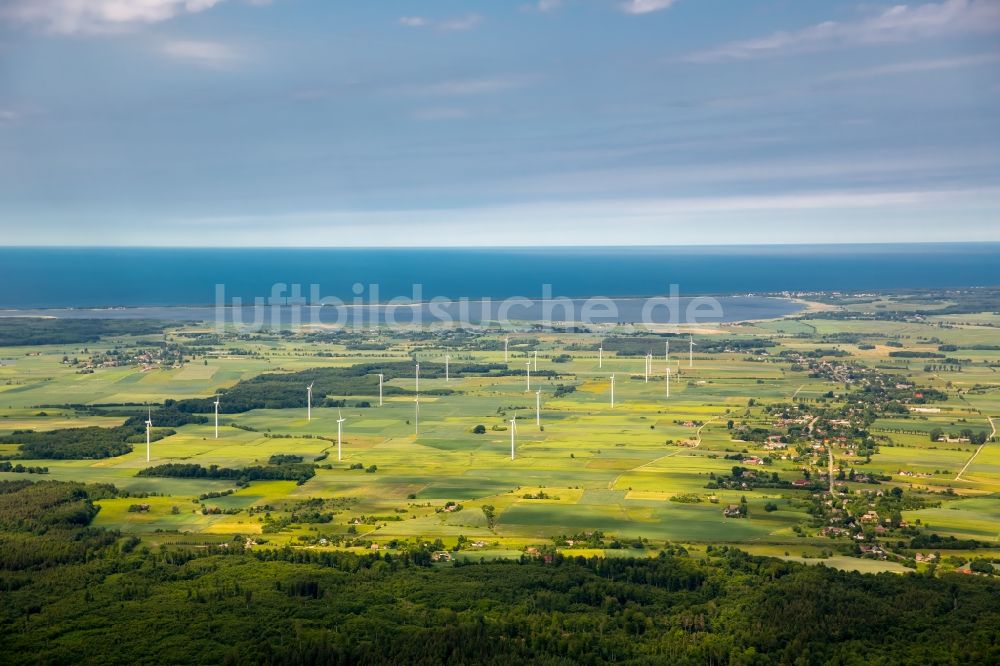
{"points": [[645, 471]]}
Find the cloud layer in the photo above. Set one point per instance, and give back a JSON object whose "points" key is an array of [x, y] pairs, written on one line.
{"points": [[95, 16], [898, 24]]}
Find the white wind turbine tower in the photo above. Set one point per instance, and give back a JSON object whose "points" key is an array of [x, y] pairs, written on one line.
{"points": [[666, 351], [668, 381], [690, 351], [309, 402], [217, 417], [340, 421], [649, 362], [534, 362], [527, 378], [446, 360], [600, 356], [538, 408], [381, 378], [612, 391], [149, 428], [416, 403], [506, 342], [513, 433]]}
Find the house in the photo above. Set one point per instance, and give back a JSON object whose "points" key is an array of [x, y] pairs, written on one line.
{"points": [[873, 550], [732, 511], [441, 556], [870, 517], [800, 483]]}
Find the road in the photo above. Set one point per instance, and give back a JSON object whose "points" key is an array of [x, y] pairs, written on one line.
{"points": [[829, 453], [958, 477], [614, 482]]}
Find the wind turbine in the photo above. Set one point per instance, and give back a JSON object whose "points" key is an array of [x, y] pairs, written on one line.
{"points": [[538, 408], [668, 381], [612, 391], [446, 360], [527, 378], [506, 342], [513, 433], [666, 351], [600, 356], [534, 362], [217, 417], [649, 357], [149, 428], [309, 402], [416, 376], [340, 420], [416, 403], [690, 351], [381, 378]]}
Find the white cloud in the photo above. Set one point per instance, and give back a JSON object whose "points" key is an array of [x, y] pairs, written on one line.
{"points": [[916, 66], [548, 5], [9, 116], [901, 23], [464, 23], [645, 6], [98, 16], [209, 54], [446, 25]]}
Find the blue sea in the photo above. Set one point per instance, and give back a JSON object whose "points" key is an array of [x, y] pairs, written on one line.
{"points": [[35, 278]]}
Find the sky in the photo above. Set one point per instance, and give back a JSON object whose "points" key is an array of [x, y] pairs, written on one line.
{"points": [[493, 123]]}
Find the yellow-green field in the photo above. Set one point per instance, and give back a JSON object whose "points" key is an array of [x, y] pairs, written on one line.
{"points": [[637, 471]]}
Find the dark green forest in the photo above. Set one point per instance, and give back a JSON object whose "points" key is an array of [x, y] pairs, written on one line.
{"points": [[94, 442], [86, 596], [16, 331], [288, 390]]}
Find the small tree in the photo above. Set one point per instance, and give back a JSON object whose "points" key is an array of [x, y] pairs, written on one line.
{"points": [[491, 515]]}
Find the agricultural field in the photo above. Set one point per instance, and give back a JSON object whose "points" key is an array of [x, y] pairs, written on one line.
{"points": [[798, 427]]}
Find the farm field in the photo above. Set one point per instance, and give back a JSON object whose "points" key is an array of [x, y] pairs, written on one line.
{"points": [[649, 471]]}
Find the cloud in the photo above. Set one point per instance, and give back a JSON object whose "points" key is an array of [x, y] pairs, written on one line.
{"points": [[464, 23], [68, 17], [547, 5], [9, 116], [645, 6], [901, 23], [446, 25], [776, 218], [209, 54], [916, 66], [413, 21], [464, 87]]}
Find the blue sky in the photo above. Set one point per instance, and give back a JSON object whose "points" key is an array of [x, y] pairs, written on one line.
{"points": [[573, 122]]}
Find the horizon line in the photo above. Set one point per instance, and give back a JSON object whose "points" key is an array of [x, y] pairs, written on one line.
{"points": [[498, 247]]}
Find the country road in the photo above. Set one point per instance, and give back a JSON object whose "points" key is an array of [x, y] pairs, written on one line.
{"points": [[958, 477]]}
